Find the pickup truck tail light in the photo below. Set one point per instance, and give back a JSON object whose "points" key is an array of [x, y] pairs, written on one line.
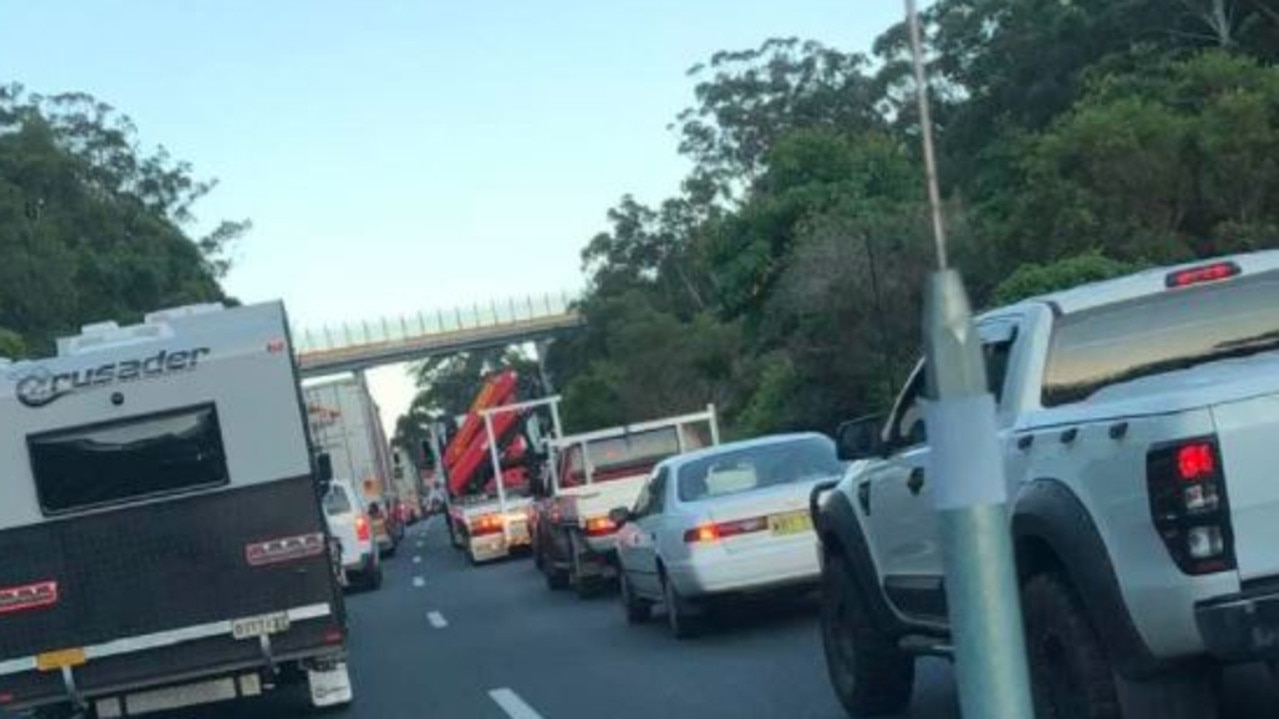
{"points": [[599, 527], [486, 524], [723, 530], [363, 531], [1189, 506]]}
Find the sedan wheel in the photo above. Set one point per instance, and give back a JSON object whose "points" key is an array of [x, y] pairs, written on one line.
{"points": [[638, 611], [680, 613]]}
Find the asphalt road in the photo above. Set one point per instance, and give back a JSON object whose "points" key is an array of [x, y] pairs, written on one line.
{"points": [[502, 646]]}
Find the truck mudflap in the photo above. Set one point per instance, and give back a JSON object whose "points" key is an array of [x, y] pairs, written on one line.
{"points": [[154, 594]]}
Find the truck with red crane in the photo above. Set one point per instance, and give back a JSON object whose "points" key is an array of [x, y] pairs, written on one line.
{"points": [[487, 464]]}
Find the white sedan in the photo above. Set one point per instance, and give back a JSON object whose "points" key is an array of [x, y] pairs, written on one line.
{"points": [[725, 520]]}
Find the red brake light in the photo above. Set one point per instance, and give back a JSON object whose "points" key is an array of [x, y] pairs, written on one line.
{"points": [[362, 530], [704, 533], [1206, 273], [599, 527], [713, 532], [1195, 461], [486, 524]]}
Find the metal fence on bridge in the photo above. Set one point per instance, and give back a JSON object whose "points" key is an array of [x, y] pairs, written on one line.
{"points": [[403, 328]]}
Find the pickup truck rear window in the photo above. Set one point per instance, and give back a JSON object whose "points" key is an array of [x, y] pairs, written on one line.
{"points": [[618, 457], [1165, 332], [104, 464]]}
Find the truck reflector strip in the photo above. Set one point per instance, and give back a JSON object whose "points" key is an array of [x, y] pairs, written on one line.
{"points": [[287, 549], [30, 596]]}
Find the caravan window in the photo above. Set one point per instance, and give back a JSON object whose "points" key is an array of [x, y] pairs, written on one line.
{"points": [[141, 457]]}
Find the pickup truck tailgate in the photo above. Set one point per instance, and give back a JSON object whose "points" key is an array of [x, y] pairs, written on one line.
{"points": [[1248, 432]]}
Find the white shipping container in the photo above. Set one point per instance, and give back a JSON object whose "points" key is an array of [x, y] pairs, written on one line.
{"points": [[344, 422]]}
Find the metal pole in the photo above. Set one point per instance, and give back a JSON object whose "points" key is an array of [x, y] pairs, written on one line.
{"points": [[497, 472], [710, 408], [966, 463]]}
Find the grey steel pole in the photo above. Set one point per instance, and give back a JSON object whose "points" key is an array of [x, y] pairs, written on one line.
{"points": [[966, 465]]}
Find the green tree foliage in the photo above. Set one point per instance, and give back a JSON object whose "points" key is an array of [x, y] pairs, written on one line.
{"points": [[1033, 279], [1080, 140], [91, 226]]}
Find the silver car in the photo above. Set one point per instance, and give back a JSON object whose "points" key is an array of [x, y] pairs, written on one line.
{"points": [[725, 520]]}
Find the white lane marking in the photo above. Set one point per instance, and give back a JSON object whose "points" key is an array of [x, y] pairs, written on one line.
{"points": [[417, 559], [419, 582], [437, 620], [420, 544], [512, 704]]}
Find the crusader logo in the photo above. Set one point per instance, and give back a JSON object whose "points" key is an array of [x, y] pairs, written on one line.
{"points": [[39, 387]]}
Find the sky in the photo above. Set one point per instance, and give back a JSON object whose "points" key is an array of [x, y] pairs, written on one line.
{"points": [[398, 155]]}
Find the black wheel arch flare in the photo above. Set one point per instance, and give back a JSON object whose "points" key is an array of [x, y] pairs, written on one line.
{"points": [[1052, 526]]}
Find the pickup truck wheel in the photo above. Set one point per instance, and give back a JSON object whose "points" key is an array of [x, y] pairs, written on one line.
{"points": [[638, 611], [871, 675], [453, 540], [588, 586], [681, 615], [556, 578], [1070, 675]]}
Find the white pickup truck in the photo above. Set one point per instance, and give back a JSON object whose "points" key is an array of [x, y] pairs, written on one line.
{"points": [[1139, 419], [574, 541]]}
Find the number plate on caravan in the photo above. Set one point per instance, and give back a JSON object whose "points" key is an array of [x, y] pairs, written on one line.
{"points": [[790, 523], [251, 627]]}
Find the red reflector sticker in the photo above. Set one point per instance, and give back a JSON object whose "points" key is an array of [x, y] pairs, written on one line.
{"points": [[30, 596], [284, 550]]}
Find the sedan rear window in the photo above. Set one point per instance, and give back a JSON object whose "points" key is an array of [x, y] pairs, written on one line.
{"points": [[752, 468]]}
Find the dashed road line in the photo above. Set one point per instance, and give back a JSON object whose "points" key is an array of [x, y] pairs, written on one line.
{"points": [[511, 703], [437, 620], [417, 559], [419, 582]]}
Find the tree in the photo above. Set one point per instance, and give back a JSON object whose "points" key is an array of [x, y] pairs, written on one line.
{"points": [[91, 226], [1163, 161], [747, 100], [1031, 280]]}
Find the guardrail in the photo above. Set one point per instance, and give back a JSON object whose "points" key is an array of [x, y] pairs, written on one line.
{"points": [[403, 328]]}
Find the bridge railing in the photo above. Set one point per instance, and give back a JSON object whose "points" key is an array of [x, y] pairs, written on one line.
{"points": [[391, 329]]}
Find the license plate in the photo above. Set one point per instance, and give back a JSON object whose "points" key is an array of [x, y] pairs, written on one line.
{"points": [[790, 523], [251, 627], [52, 661]]}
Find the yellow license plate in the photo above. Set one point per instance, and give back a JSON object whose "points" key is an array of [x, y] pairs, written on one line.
{"points": [[790, 523], [53, 661]]}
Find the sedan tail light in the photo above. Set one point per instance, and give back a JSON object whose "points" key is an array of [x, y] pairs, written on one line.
{"points": [[362, 530], [712, 532], [1189, 506]]}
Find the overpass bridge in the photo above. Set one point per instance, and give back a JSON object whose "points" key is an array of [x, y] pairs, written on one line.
{"points": [[353, 347]]}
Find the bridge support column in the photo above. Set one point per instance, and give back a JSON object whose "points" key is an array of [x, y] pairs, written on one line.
{"points": [[541, 347]]}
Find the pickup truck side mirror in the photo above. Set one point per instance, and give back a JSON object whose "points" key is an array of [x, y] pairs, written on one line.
{"points": [[324, 471], [860, 438], [619, 516]]}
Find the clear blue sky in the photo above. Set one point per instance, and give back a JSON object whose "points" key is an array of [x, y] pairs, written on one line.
{"points": [[404, 155]]}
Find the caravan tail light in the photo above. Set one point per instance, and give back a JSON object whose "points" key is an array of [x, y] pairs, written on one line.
{"points": [[363, 531], [1189, 506]]}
